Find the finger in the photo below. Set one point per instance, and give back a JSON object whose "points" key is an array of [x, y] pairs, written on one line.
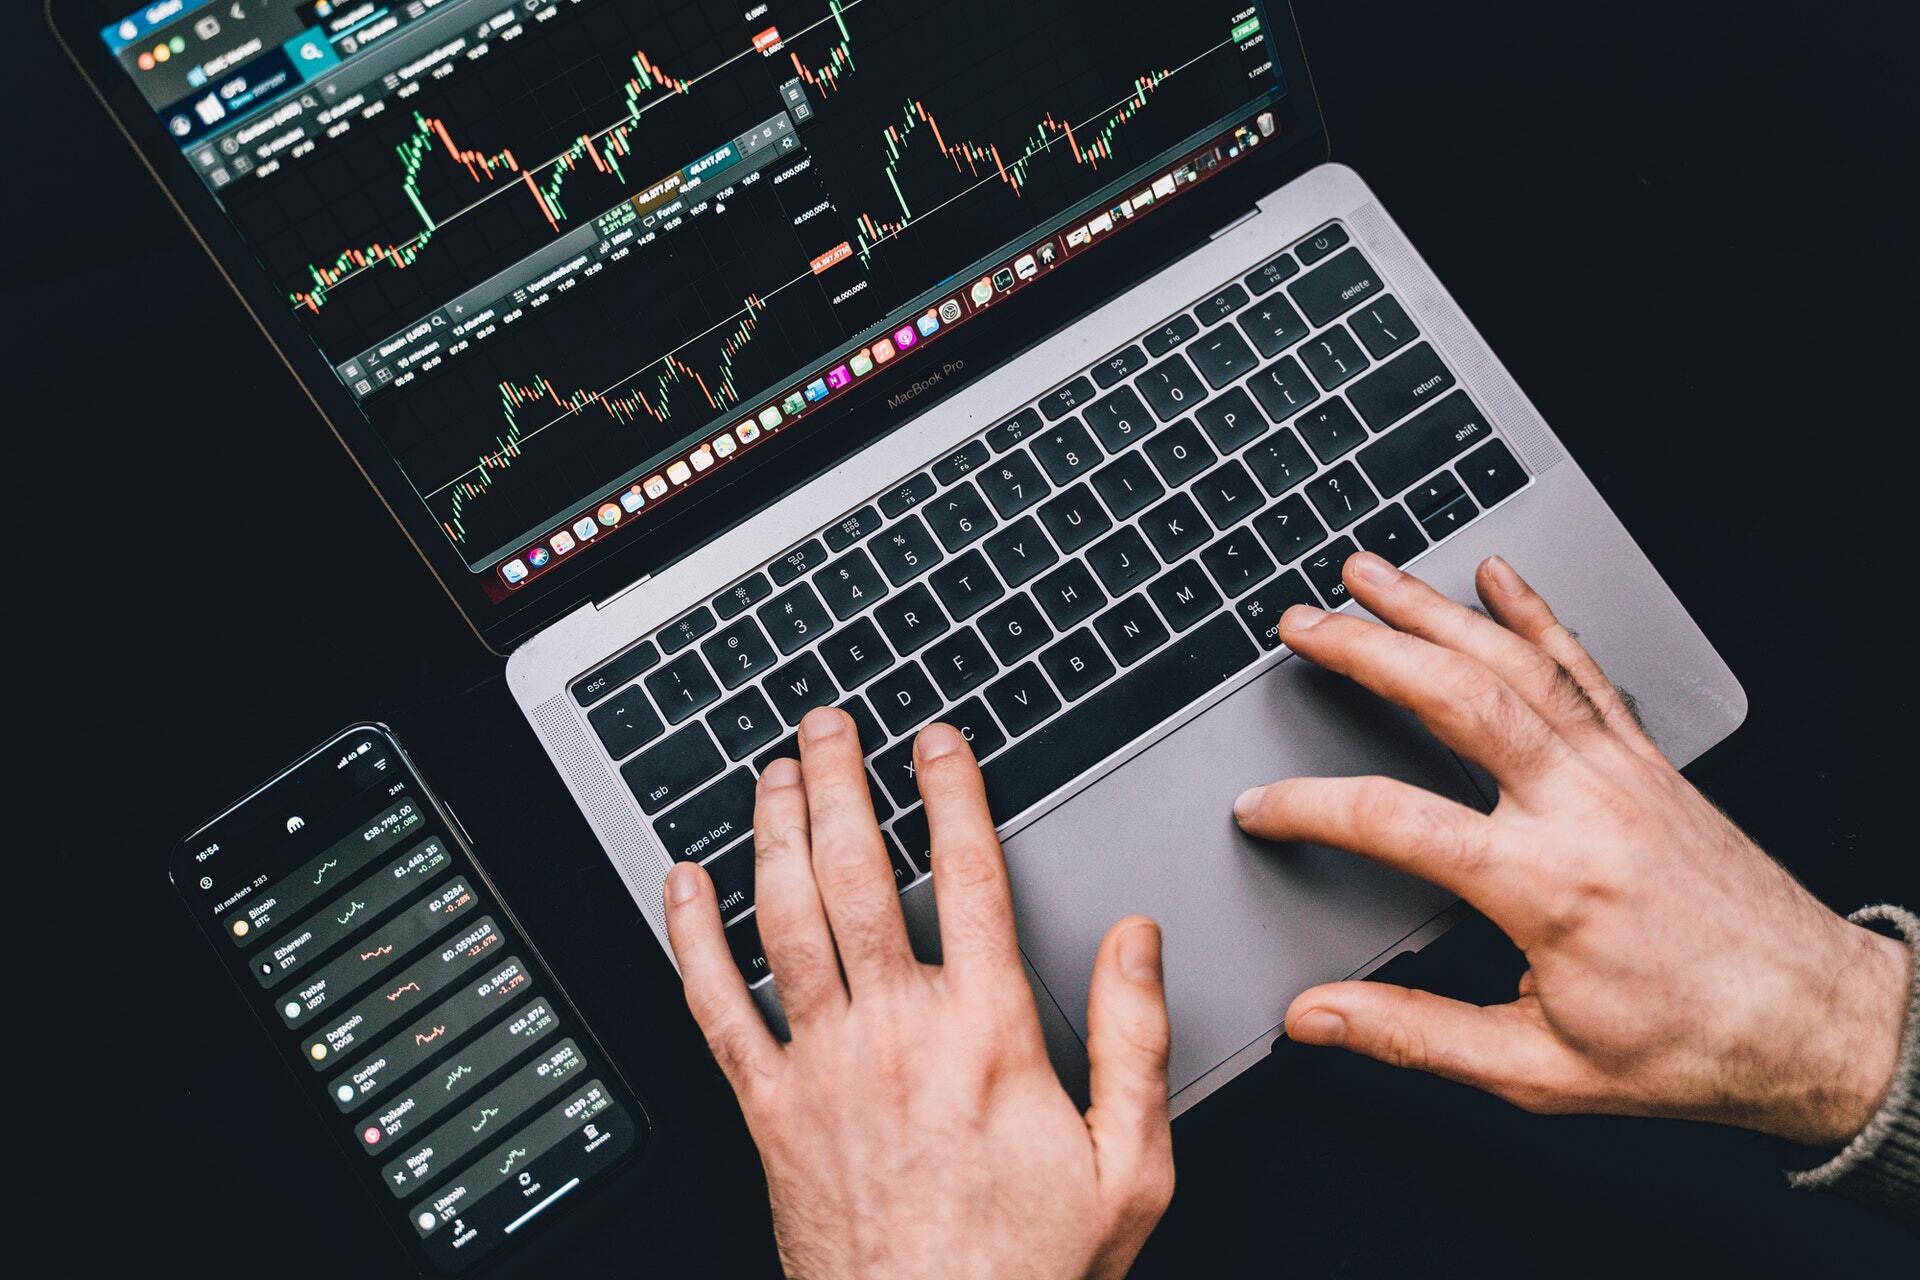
{"points": [[1128, 1038], [1407, 604], [716, 993], [850, 864], [1524, 611], [793, 924], [1402, 826], [1505, 1049], [1460, 699], [969, 873]]}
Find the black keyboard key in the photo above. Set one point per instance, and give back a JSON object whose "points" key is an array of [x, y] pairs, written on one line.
{"points": [[1333, 357], [794, 618], [1170, 335], [966, 585], [1221, 305], [1321, 243], [732, 872], [799, 562], [742, 595], [894, 768], [1272, 275], [1331, 429], [1171, 387], [1015, 629], [976, 726], [1340, 284], [744, 723], [1274, 325], [1069, 594], [743, 939], [1391, 535], [1122, 561], [1184, 595], [903, 699], [1180, 453], [1119, 419], [672, 768], [1222, 356], [1441, 505], [910, 829], [872, 736], [1283, 389], [799, 687], [1131, 629], [1279, 462], [1383, 327], [850, 529], [1020, 551], [1014, 430], [682, 632], [1323, 570], [711, 820], [960, 663], [1231, 420], [1492, 473], [912, 619], [597, 684], [856, 653], [1341, 496], [905, 551], [1238, 562], [1126, 485], [1397, 388], [968, 457], [1022, 699], [626, 723], [1424, 444], [1262, 610], [1013, 484], [903, 872], [850, 584], [1066, 451], [1037, 765], [907, 495], [1123, 363], [1077, 665], [682, 687], [959, 516], [1290, 529], [1075, 518], [1176, 527], [1058, 404], [738, 653], [1229, 494]]}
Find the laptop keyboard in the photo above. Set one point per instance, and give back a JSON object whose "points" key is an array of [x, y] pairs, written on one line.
{"points": [[1073, 577]]}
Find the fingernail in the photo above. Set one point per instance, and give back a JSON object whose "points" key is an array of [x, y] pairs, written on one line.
{"points": [[781, 773], [1318, 1026], [821, 723], [1248, 804], [938, 740], [682, 883], [1371, 569], [1504, 577], [1300, 617], [1140, 953]]}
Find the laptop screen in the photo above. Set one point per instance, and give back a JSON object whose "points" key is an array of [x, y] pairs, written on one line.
{"points": [[574, 259]]}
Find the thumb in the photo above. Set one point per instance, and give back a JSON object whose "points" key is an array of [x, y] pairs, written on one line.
{"points": [[1505, 1049], [1127, 1043]]}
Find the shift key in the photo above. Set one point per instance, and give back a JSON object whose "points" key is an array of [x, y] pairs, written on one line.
{"points": [[711, 820]]}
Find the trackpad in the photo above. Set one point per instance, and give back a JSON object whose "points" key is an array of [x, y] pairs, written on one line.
{"points": [[1248, 925]]}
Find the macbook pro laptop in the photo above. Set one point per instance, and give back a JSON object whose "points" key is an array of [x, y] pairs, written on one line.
{"points": [[1011, 362]]}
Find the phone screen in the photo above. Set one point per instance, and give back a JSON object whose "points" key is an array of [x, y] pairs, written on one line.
{"points": [[436, 1045]]}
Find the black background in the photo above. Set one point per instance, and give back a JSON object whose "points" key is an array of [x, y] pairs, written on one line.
{"points": [[1685, 229]]}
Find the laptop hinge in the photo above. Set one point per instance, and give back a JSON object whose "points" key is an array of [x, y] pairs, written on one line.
{"points": [[635, 585], [1248, 215]]}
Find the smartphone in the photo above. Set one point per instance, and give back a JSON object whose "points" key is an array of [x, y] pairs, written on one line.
{"points": [[416, 1015]]}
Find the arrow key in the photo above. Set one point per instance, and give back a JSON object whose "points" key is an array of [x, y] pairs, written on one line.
{"points": [[1391, 535]]}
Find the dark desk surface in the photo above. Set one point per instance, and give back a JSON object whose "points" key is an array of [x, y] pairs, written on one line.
{"points": [[1685, 227]]}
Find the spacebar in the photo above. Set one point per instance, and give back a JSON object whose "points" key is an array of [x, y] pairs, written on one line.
{"points": [[1057, 753]]}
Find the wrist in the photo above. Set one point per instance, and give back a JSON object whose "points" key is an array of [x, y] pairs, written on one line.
{"points": [[1847, 1061]]}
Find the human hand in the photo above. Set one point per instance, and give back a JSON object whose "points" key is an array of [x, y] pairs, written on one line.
{"points": [[912, 1125], [1674, 968]]}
